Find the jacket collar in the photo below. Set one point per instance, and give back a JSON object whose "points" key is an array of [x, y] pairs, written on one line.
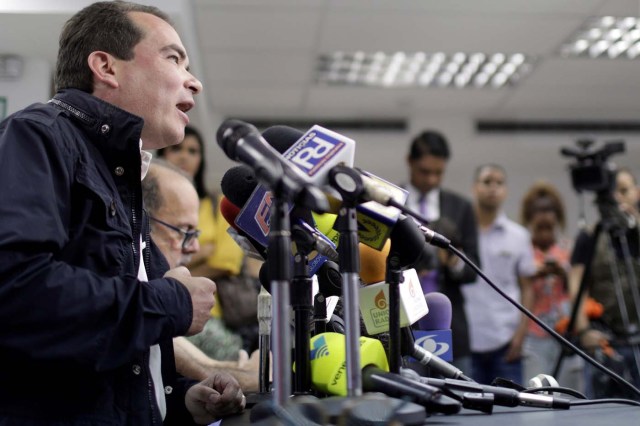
{"points": [[114, 131]]}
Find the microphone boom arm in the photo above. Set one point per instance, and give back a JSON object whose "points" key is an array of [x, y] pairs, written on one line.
{"points": [[544, 326]]}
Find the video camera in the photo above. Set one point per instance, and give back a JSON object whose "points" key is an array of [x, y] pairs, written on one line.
{"points": [[592, 172]]}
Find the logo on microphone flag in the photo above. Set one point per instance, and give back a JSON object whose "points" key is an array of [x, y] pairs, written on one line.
{"points": [[438, 342], [319, 348], [315, 153], [374, 303]]}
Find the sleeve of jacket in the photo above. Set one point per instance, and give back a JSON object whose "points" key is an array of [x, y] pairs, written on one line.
{"points": [[51, 310], [468, 233]]}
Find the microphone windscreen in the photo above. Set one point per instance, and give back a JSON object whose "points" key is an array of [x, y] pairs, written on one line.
{"points": [[263, 276], [228, 134], [281, 137], [439, 316], [229, 211], [373, 263], [329, 279], [407, 242], [324, 223], [238, 184], [328, 355]]}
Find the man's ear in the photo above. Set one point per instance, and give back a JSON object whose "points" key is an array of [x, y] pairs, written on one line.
{"points": [[102, 65]]}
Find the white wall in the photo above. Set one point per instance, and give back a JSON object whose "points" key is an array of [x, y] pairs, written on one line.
{"points": [[33, 86]]}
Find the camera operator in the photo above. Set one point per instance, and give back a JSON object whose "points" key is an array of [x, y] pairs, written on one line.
{"points": [[601, 329]]}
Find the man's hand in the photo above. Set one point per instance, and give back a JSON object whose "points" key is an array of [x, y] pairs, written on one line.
{"points": [[514, 352], [591, 339], [202, 292], [551, 267], [217, 396]]}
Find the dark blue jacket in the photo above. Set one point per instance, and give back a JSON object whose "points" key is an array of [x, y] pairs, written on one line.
{"points": [[75, 322]]}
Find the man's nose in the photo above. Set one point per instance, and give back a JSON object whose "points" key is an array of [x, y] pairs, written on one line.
{"points": [[192, 248]]}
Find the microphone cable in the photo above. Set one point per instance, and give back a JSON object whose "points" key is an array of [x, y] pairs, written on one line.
{"points": [[544, 326], [605, 401], [582, 399], [557, 389]]}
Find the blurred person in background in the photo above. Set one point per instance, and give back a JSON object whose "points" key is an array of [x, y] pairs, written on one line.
{"points": [[497, 328], [542, 212], [452, 215], [602, 330]]}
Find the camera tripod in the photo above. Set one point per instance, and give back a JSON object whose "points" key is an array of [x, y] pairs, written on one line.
{"points": [[613, 226]]}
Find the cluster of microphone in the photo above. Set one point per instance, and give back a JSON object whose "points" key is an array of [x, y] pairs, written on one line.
{"points": [[312, 174]]}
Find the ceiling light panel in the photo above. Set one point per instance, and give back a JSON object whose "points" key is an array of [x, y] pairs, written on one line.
{"points": [[420, 69], [605, 37]]}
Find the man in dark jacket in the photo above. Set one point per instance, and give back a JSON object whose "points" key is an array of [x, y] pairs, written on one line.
{"points": [[87, 307], [451, 215]]}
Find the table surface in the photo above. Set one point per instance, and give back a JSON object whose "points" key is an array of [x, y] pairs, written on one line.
{"points": [[588, 415]]}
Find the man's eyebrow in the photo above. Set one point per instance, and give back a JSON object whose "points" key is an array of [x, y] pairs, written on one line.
{"points": [[179, 50]]}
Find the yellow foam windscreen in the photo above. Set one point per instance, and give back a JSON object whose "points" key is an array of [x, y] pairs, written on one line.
{"points": [[324, 223], [328, 361], [372, 262]]}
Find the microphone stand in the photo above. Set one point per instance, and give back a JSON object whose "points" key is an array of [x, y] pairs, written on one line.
{"points": [[301, 292], [264, 344], [394, 278], [319, 314], [349, 184], [280, 274], [407, 246]]}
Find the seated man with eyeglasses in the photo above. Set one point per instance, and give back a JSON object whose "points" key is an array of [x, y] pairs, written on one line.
{"points": [[171, 203], [189, 239]]}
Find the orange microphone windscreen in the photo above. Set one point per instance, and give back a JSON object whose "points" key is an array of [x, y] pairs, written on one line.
{"points": [[373, 263]]}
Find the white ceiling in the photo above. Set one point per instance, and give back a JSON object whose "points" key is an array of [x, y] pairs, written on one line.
{"points": [[259, 56], [256, 57]]}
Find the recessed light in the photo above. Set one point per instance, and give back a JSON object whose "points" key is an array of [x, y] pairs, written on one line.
{"points": [[423, 69], [606, 37]]}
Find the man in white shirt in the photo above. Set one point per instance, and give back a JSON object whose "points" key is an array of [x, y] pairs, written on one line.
{"points": [[496, 328]]}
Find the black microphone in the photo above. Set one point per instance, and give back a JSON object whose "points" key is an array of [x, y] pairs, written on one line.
{"points": [[329, 279], [238, 183], [397, 386], [303, 233], [242, 142], [428, 359], [505, 397]]}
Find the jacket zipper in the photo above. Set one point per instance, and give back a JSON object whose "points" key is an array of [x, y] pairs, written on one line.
{"points": [[135, 230], [81, 115]]}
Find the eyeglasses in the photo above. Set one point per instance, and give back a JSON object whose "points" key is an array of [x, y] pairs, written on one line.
{"points": [[188, 236]]}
